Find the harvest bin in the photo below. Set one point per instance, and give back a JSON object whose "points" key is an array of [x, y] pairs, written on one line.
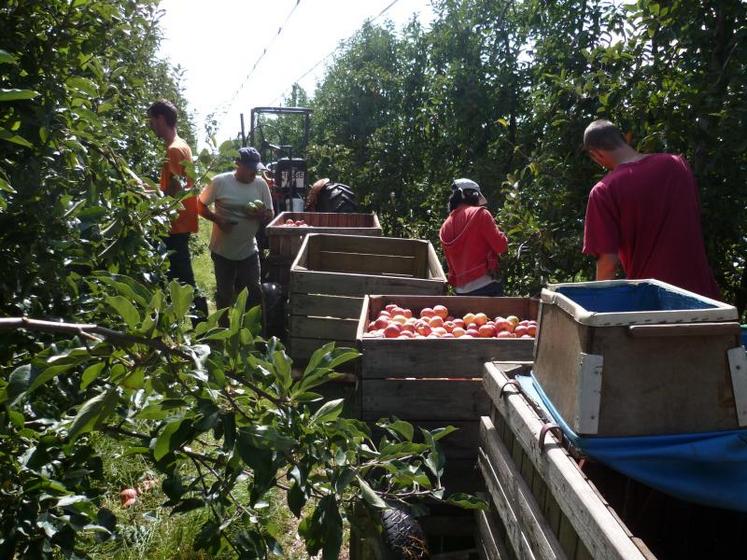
{"points": [[437, 382], [285, 241], [332, 273], [640, 357]]}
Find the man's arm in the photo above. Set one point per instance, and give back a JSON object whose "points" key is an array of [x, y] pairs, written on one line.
{"points": [[204, 211], [607, 266], [496, 238]]}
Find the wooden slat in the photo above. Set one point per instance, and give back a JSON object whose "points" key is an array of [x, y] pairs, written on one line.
{"points": [[366, 263], [365, 244], [323, 328], [544, 543], [601, 533], [320, 305], [438, 358], [493, 547], [425, 400], [338, 283], [505, 508]]}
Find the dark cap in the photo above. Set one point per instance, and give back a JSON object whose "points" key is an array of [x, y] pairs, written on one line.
{"points": [[251, 158], [469, 185]]}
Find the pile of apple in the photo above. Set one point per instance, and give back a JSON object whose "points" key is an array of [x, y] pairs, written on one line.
{"points": [[436, 322], [297, 223]]}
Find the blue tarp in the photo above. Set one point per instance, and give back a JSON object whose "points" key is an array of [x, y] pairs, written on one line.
{"points": [[744, 336], [708, 468]]}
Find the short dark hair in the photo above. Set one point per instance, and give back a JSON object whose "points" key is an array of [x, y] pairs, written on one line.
{"points": [[166, 108], [602, 135], [467, 196]]}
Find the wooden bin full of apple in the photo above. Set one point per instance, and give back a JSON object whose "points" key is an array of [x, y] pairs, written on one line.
{"points": [[422, 359]]}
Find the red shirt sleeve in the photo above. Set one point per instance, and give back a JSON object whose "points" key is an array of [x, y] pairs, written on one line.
{"points": [[496, 238], [601, 229]]}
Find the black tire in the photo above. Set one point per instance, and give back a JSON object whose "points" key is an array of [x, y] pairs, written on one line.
{"points": [[403, 536], [336, 197]]}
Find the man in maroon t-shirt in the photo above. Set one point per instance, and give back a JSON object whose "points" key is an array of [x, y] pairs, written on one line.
{"points": [[645, 214]]}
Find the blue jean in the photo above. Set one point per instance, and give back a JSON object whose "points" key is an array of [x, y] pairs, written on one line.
{"points": [[494, 289]]}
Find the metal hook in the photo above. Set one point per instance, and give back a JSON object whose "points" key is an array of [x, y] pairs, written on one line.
{"points": [[549, 427], [513, 383]]}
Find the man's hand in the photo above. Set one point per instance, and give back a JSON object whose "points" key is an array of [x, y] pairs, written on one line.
{"points": [[224, 224]]}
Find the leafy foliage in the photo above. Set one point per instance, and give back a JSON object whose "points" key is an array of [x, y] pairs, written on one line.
{"points": [[213, 409]]}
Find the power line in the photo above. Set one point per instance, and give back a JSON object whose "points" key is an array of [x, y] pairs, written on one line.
{"points": [[333, 51], [227, 106]]}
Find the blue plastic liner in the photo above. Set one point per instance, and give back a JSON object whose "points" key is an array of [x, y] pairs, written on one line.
{"points": [[708, 468], [744, 336], [631, 298]]}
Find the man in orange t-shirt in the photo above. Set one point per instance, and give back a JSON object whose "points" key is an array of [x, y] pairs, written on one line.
{"points": [[163, 116]]}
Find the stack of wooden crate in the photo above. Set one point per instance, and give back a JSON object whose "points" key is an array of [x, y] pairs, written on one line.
{"points": [[331, 275], [285, 240]]}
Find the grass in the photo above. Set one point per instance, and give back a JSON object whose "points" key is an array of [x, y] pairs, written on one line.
{"points": [[202, 264], [149, 531]]}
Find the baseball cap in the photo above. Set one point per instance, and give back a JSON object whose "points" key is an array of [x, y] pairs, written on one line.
{"points": [[468, 185], [250, 157]]}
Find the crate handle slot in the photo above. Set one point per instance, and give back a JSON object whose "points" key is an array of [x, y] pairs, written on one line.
{"points": [[684, 329]]}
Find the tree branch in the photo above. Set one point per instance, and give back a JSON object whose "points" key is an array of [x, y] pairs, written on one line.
{"points": [[90, 331]]}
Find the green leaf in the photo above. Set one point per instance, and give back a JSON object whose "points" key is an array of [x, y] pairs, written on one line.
{"points": [[181, 298], [328, 411], [5, 186], [296, 499], [84, 85], [7, 58], [92, 412], [90, 374], [283, 372], [125, 309], [370, 497], [47, 374], [17, 94], [467, 501], [401, 428], [439, 433], [171, 437], [14, 139], [318, 356]]}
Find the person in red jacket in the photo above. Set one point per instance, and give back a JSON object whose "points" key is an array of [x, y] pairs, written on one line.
{"points": [[472, 242]]}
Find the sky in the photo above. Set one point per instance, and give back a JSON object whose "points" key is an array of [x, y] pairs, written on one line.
{"points": [[217, 43]]}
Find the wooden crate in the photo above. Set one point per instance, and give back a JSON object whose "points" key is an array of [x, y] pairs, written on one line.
{"points": [[437, 382], [332, 273], [542, 505], [285, 241], [653, 359]]}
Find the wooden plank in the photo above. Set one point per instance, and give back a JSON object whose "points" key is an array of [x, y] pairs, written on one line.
{"points": [[493, 547], [543, 542], [505, 508], [568, 537], [366, 263], [424, 399], [373, 245], [322, 328], [322, 305], [345, 284], [434, 357], [601, 533]]}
